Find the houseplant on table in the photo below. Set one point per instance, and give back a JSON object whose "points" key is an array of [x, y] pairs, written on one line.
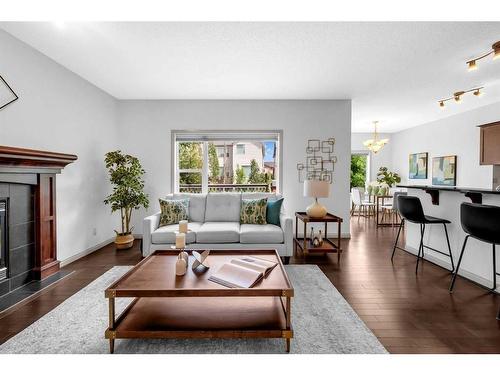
{"points": [[126, 176], [387, 177]]}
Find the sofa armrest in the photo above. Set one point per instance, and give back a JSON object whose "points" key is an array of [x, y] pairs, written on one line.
{"points": [[149, 225], [287, 227]]}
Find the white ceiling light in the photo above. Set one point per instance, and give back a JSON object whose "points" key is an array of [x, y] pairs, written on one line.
{"points": [[375, 144]]}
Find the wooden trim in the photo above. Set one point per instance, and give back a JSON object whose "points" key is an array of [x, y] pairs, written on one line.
{"points": [[489, 124], [46, 262], [23, 157]]}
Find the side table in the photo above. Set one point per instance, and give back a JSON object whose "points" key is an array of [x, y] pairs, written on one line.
{"points": [[328, 246]]}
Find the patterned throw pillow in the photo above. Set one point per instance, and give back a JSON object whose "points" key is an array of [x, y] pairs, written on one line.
{"points": [[253, 211], [173, 211]]}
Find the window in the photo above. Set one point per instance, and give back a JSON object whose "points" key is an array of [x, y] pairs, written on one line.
{"points": [[190, 167], [246, 170], [240, 149], [360, 169], [220, 151], [225, 161]]}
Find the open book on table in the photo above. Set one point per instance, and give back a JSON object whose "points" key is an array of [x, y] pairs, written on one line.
{"points": [[242, 272]]}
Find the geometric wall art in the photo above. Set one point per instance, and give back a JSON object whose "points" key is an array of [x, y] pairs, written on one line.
{"points": [[7, 95], [418, 166], [444, 170], [320, 161]]}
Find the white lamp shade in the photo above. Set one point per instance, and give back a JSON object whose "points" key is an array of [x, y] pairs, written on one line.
{"points": [[316, 189]]}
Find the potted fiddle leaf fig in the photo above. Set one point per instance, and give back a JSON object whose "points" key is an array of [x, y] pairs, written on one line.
{"points": [[387, 177], [126, 176]]}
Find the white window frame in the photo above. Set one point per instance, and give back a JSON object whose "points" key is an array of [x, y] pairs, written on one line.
{"points": [[234, 136]]}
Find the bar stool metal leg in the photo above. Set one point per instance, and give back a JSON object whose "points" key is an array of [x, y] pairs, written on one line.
{"points": [[458, 265], [494, 269], [449, 248], [421, 247], [397, 238]]}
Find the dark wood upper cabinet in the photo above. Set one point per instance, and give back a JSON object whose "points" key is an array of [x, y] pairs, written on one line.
{"points": [[490, 144]]}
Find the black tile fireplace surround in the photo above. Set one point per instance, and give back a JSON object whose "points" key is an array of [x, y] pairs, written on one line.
{"points": [[18, 235]]}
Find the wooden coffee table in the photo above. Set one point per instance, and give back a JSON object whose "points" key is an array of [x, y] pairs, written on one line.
{"points": [[191, 306]]}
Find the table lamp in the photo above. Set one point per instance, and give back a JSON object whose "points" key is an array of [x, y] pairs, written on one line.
{"points": [[316, 189]]}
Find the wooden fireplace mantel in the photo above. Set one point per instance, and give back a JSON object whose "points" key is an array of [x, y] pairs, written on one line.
{"points": [[39, 168], [28, 158]]}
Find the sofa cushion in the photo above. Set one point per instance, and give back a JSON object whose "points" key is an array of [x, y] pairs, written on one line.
{"points": [[166, 234], [173, 211], [253, 211], [223, 207], [218, 232], [197, 204], [254, 233]]}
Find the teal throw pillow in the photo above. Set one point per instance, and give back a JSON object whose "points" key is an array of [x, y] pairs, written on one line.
{"points": [[273, 211]]}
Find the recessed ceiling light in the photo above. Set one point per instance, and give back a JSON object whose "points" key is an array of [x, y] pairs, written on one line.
{"points": [[60, 24]]}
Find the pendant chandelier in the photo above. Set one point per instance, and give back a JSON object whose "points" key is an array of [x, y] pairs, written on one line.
{"points": [[375, 144]]}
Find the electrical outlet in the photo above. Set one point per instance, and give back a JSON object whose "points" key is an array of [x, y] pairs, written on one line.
{"points": [[94, 231]]}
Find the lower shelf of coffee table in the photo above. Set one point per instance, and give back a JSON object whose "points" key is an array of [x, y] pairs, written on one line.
{"points": [[202, 317]]}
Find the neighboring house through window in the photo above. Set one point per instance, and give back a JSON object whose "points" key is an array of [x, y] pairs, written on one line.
{"points": [[240, 149], [210, 161]]}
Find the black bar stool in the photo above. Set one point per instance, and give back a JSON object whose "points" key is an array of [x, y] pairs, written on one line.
{"points": [[411, 210], [481, 222]]}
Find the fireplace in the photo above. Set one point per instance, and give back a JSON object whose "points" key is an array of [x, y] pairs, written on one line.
{"points": [[3, 239], [28, 238]]}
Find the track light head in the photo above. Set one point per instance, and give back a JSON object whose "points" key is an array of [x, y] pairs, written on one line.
{"points": [[441, 103], [478, 92], [471, 65], [458, 96], [496, 51]]}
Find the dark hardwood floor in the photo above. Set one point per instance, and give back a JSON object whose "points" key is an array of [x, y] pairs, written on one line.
{"points": [[408, 313]]}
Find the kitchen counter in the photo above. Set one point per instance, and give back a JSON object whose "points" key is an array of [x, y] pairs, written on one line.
{"points": [[444, 202]]}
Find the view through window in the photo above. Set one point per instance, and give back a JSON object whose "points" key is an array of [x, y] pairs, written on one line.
{"points": [[359, 170], [223, 163]]}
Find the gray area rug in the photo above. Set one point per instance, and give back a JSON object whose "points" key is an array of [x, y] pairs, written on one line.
{"points": [[323, 322]]}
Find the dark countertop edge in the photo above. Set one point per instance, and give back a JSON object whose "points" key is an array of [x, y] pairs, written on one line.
{"points": [[453, 189]]}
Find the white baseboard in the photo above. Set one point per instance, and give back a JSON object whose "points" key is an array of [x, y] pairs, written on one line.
{"points": [[445, 264], [88, 251]]}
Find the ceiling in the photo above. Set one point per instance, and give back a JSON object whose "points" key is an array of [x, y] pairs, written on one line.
{"points": [[393, 72]]}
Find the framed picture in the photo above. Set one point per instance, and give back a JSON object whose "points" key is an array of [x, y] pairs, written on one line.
{"points": [[418, 166], [7, 95], [444, 170]]}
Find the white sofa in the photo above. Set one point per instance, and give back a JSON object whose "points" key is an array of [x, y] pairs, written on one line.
{"points": [[214, 223]]}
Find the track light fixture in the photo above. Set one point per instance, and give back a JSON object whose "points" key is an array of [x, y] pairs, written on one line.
{"points": [[457, 96], [495, 50]]}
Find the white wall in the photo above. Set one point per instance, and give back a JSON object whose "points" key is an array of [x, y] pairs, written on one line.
{"points": [[454, 135], [59, 111], [146, 128], [382, 159]]}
